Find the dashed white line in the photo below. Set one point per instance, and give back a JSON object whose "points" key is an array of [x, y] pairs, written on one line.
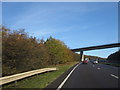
{"points": [[98, 68], [61, 85], [114, 76]]}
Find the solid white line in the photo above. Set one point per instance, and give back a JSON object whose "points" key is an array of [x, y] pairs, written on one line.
{"points": [[114, 76], [60, 86]]}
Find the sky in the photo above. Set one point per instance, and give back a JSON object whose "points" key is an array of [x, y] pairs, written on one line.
{"points": [[60, 0], [77, 24]]}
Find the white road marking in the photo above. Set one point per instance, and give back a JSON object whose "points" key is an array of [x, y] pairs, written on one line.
{"points": [[61, 85], [114, 76], [93, 65], [98, 68]]}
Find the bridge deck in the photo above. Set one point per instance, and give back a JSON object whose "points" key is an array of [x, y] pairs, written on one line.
{"points": [[96, 47]]}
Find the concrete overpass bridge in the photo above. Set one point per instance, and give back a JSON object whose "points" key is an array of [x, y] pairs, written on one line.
{"points": [[81, 50]]}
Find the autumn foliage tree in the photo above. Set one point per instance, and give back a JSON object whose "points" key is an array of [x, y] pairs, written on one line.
{"points": [[21, 52], [58, 51]]}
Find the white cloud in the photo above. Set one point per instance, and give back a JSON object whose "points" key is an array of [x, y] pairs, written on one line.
{"points": [[51, 31], [42, 18], [46, 15]]}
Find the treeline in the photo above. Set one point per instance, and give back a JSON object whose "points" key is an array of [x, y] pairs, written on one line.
{"points": [[114, 57], [21, 52], [94, 57]]}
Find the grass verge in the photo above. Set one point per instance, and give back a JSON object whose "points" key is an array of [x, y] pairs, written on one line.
{"points": [[41, 80], [112, 64]]}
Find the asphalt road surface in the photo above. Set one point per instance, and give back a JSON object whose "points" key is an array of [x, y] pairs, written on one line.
{"points": [[88, 76]]}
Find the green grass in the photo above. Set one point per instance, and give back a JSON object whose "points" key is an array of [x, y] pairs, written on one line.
{"points": [[112, 64], [41, 80]]}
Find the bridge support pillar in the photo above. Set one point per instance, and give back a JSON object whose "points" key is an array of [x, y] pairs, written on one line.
{"points": [[81, 56]]}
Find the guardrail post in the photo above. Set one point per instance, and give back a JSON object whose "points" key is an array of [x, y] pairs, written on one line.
{"points": [[16, 83], [81, 55]]}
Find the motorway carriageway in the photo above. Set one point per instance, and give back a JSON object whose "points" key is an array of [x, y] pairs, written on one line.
{"points": [[88, 76]]}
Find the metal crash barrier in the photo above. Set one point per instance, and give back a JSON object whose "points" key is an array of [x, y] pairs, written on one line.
{"points": [[15, 77]]}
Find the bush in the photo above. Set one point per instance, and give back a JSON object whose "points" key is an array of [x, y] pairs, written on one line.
{"points": [[21, 53]]}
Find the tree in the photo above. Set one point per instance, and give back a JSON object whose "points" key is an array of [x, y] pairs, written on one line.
{"points": [[114, 57], [58, 51], [22, 53]]}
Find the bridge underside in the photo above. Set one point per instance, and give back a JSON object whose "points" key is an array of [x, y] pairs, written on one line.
{"points": [[95, 48]]}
